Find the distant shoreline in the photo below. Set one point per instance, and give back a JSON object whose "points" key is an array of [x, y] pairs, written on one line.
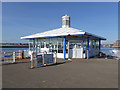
{"points": [[14, 47]]}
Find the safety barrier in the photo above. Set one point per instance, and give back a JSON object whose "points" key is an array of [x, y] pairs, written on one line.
{"points": [[42, 59], [9, 57], [22, 54]]}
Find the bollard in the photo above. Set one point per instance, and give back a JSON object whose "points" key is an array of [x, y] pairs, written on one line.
{"points": [[22, 54]]}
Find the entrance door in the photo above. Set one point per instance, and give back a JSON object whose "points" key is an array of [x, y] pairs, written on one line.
{"points": [[76, 50]]}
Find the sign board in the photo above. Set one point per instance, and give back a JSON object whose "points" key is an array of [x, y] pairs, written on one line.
{"points": [[39, 60], [48, 58]]}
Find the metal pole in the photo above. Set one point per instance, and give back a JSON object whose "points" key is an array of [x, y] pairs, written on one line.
{"points": [[64, 48], [88, 48]]}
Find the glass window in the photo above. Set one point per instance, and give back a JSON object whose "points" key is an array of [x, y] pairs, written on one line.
{"points": [[60, 45], [97, 43], [42, 44]]}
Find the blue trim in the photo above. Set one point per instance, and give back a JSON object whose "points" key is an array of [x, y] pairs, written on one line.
{"points": [[97, 37], [8, 56], [88, 48], [70, 35], [99, 45], [49, 59], [33, 45], [64, 48]]}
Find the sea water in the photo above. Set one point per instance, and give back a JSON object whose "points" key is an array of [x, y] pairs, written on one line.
{"points": [[111, 51], [107, 51], [13, 49]]}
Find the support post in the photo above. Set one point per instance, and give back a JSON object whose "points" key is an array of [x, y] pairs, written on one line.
{"points": [[64, 48], [88, 48], [68, 50], [99, 44]]}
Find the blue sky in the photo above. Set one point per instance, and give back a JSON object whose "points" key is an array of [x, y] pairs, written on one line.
{"points": [[26, 18]]}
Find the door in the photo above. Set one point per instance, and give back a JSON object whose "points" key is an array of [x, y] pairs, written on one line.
{"points": [[76, 50]]}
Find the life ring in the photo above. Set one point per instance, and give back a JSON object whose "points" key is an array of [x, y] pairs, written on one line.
{"points": [[101, 54]]}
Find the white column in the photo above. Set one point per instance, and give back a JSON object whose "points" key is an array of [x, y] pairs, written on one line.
{"points": [[82, 49], [68, 50], [44, 44]]}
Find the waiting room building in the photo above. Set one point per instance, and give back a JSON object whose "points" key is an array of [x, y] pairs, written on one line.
{"points": [[66, 41]]}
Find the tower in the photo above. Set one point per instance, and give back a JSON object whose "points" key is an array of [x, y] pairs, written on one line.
{"points": [[65, 21]]}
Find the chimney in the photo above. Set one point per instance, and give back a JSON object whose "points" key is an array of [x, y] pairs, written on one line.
{"points": [[65, 21]]}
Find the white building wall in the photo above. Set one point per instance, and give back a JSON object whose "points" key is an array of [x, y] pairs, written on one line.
{"points": [[61, 55]]}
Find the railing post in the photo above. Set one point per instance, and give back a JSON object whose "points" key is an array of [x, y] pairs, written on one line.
{"points": [[19, 54], [13, 57]]}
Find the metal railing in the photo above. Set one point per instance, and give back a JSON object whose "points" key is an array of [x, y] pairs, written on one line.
{"points": [[11, 57]]}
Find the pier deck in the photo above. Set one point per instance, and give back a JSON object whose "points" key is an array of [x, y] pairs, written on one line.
{"points": [[94, 73]]}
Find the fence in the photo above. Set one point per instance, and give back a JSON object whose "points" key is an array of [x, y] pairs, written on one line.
{"points": [[21, 54], [11, 57]]}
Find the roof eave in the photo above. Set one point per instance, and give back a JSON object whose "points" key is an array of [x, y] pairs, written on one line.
{"points": [[50, 36], [100, 38]]}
